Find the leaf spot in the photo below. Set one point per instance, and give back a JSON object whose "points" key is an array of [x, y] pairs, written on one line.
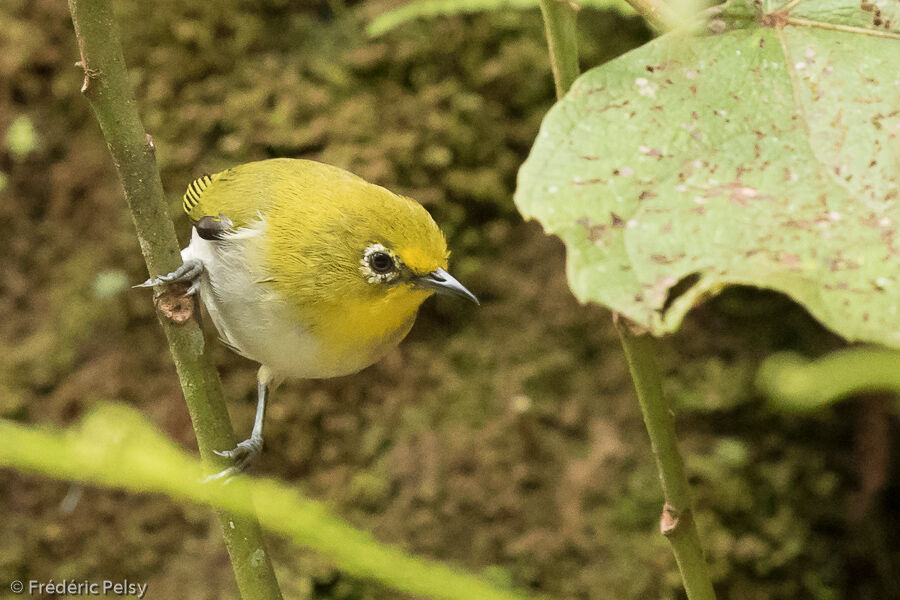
{"points": [[790, 259], [648, 151], [662, 259]]}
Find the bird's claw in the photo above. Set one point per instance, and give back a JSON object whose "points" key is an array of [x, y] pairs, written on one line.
{"points": [[247, 449], [243, 454], [188, 272], [194, 287]]}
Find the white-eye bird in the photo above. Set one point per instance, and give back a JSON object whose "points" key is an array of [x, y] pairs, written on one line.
{"points": [[308, 270]]}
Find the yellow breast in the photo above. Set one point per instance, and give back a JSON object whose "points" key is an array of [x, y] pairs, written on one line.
{"points": [[356, 332]]}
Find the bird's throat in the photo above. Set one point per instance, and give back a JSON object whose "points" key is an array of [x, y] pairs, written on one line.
{"points": [[362, 330]]}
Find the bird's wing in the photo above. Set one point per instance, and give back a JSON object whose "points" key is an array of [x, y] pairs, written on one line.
{"points": [[232, 198], [239, 196]]}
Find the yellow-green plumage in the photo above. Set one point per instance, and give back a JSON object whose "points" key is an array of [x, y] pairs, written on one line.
{"points": [[291, 264], [308, 270]]}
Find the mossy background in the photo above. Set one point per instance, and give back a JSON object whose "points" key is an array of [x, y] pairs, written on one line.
{"points": [[505, 439]]}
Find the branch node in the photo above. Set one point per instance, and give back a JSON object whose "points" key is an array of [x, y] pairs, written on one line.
{"points": [[174, 305], [89, 74], [672, 519]]}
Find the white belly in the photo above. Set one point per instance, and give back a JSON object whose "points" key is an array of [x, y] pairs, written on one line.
{"points": [[249, 315]]}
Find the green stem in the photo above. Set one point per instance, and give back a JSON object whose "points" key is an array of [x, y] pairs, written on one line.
{"points": [[795, 383], [562, 41], [659, 15], [106, 88], [117, 448], [677, 522]]}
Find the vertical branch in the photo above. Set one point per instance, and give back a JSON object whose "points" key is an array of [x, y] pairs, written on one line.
{"points": [[106, 88], [659, 15], [677, 521], [562, 41]]}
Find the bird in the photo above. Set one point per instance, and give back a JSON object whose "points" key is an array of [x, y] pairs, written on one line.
{"points": [[308, 270]]}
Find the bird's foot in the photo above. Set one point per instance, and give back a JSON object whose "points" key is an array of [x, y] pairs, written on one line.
{"points": [[243, 454], [189, 272]]}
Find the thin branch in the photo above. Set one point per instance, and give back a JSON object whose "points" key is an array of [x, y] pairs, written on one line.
{"points": [[106, 87], [657, 13], [562, 41], [677, 521]]}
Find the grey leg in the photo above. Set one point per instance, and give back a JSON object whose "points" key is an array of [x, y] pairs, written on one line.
{"points": [[188, 272], [245, 452]]}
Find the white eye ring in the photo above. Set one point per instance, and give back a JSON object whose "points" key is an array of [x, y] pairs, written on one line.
{"points": [[369, 273]]}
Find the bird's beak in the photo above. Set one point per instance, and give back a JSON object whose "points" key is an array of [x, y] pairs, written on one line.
{"points": [[442, 282]]}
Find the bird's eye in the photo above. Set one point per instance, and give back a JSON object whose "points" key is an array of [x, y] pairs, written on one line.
{"points": [[381, 262]]}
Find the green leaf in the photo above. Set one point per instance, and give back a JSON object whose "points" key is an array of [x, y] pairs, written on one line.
{"points": [[765, 156], [429, 9], [795, 383], [117, 447]]}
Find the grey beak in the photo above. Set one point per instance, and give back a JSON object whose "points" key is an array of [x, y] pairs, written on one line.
{"points": [[443, 282]]}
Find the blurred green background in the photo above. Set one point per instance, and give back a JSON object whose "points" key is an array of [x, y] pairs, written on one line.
{"points": [[505, 439]]}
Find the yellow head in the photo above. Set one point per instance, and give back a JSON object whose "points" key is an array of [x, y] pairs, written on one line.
{"points": [[354, 260]]}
